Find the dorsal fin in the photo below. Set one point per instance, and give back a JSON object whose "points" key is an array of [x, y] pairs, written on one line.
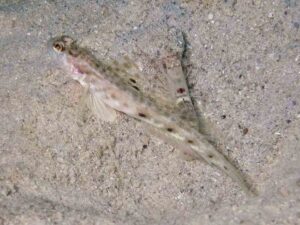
{"points": [[163, 81], [128, 71]]}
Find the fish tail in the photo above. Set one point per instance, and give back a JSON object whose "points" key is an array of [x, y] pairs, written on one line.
{"points": [[212, 156]]}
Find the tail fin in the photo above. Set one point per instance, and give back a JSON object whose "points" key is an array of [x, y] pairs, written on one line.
{"points": [[213, 157]]}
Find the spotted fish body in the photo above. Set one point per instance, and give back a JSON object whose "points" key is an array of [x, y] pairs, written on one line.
{"points": [[111, 90]]}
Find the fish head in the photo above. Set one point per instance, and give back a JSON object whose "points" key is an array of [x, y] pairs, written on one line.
{"points": [[66, 50]]}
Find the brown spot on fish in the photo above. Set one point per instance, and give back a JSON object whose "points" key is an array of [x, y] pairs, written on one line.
{"points": [[135, 87], [210, 155], [170, 129], [180, 90], [142, 115], [132, 80], [190, 141]]}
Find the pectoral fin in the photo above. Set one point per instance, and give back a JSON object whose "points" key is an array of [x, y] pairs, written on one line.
{"points": [[99, 108]]}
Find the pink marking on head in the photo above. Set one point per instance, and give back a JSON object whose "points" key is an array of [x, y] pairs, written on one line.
{"points": [[79, 70], [76, 70]]}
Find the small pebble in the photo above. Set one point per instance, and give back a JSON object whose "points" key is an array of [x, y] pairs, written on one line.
{"points": [[223, 116], [270, 15], [245, 131]]}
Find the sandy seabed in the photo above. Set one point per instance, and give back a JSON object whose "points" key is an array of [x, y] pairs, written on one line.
{"points": [[60, 167]]}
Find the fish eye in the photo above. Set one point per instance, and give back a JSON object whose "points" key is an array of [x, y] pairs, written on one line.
{"points": [[58, 46]]}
